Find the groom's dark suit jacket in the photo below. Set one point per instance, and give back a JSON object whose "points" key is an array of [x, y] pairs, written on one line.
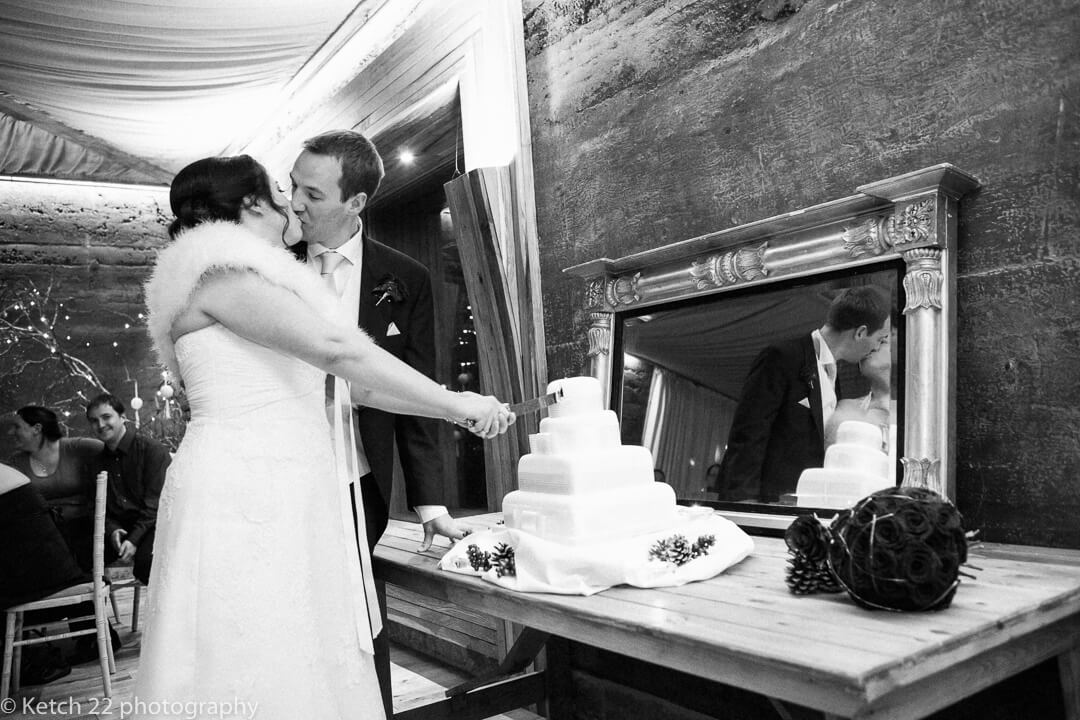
{"points": [[417, 438], [774, 436]]}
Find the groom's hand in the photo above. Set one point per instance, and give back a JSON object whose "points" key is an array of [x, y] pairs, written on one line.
{"points": [[442, 525]]}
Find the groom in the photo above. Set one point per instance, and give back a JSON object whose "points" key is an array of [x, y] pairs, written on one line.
{"points": [[333, 179]]}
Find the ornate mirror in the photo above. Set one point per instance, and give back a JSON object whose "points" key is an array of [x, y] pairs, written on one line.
{"points": [[679, 335]]}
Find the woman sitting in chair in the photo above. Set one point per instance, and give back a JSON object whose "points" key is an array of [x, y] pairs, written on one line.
{"points": [[60, 468], [34, 561]]}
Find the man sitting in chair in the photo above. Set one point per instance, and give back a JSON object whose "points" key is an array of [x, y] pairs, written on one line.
{"points": [[136, 466]]}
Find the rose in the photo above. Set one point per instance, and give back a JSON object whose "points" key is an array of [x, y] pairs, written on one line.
{"points": [[806, 536], [891, 592], [808, 375], [883, 563], [887, 532], [925, 596], [391, 288], [947, 517], [919, 564], [913, 519], [865, 512]]}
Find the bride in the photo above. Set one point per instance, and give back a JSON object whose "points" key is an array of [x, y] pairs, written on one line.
{"points": [[256, 604]]}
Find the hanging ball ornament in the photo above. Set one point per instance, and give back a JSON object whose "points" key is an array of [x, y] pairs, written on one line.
{"points": [[464, 378], [166, 391], [136, 403]]}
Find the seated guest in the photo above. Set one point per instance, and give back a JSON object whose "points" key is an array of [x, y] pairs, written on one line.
{"points": [[34, 562], [136, 466], [59, 468]]}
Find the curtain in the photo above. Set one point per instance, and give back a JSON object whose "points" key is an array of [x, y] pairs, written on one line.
{"points": [[165, 80], [686, 427]]}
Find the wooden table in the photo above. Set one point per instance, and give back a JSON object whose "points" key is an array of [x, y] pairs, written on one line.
{"points": [[744, 628]]}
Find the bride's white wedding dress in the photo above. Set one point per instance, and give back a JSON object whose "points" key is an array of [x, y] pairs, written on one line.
{"points": [[250, 597]]}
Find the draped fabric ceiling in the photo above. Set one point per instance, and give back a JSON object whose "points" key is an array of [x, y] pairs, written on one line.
{"points": [[132, 90], [713, 344]]}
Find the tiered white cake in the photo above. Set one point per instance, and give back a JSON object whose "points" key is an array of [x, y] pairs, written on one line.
{"points": [[855, 466], [580, 483]]}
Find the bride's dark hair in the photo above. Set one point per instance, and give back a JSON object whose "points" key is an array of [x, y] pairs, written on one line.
{"points": [[218, 188]]}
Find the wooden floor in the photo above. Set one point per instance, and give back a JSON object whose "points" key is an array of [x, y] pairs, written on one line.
{"points": [[79, 695]]}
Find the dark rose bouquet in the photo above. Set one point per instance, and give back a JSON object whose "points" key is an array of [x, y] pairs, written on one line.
{"points": [[390, 287], [808, 567], [899, 549]]}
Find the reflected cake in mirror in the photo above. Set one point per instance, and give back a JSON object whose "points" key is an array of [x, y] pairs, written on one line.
{"points": [[855, 466], [579, 483]]}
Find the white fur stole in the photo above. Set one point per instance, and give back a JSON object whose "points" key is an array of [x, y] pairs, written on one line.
{"points": [[214, 246]]}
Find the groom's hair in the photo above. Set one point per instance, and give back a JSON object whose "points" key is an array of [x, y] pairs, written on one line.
{"points": [[361, 166], [855, 306]]}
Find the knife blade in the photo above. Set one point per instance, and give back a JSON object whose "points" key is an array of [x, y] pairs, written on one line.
{"points": [[521, 408], [537, 403]]}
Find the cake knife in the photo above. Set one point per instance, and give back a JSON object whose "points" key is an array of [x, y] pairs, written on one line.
{"points": [[537, 403], [524, 408]]}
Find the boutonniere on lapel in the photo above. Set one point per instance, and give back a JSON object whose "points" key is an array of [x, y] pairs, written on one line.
{"points": [[390, 289], [809, 376]]}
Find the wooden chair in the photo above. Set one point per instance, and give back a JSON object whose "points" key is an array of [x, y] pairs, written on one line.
{"points": [[120, 577], [96, 591]]}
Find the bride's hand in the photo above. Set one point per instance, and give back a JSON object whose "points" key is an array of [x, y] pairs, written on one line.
{"points": [[483, 415]]}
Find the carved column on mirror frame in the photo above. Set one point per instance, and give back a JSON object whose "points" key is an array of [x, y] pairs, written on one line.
{"points": [[599, 353], [923, 284]]}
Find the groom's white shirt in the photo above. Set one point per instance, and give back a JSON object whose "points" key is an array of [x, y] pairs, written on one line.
{"points": [[347, 282]]}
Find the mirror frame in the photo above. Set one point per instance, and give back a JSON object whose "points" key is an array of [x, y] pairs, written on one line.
{"points": [[912, 217]]}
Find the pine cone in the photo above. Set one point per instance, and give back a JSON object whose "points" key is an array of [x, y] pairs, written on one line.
{"points": [[675, 549], [805, 576], [702, 545], [503, 560], [478, 559]]}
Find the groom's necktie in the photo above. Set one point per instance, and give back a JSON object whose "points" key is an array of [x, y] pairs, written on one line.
{"points": [[328, 263], [352, 464], [828, 400]]}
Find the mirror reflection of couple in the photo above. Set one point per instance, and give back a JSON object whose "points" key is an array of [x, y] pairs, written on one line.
{"points": [[789, 409], [261, 588]]}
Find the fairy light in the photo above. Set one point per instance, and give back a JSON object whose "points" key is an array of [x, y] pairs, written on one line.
{"points": [[29, 336]]}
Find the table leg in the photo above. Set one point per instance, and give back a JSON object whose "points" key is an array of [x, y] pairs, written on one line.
{"points": [[493, 693], [520, 656], [1069, 668]]}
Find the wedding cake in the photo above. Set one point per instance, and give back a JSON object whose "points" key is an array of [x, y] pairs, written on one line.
{"points": [[855, 466], [579, 483]]}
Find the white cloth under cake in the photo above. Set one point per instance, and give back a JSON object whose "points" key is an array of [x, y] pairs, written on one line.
{"points": [[588, 568]]}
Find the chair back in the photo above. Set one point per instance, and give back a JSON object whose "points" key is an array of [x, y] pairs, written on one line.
{"points": [[99, 531]]}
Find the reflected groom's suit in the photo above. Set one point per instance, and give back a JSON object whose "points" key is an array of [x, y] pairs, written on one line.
{"points": [[778, 430]]}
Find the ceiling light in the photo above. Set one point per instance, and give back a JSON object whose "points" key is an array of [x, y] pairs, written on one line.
{"points": [[406, 157]]}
